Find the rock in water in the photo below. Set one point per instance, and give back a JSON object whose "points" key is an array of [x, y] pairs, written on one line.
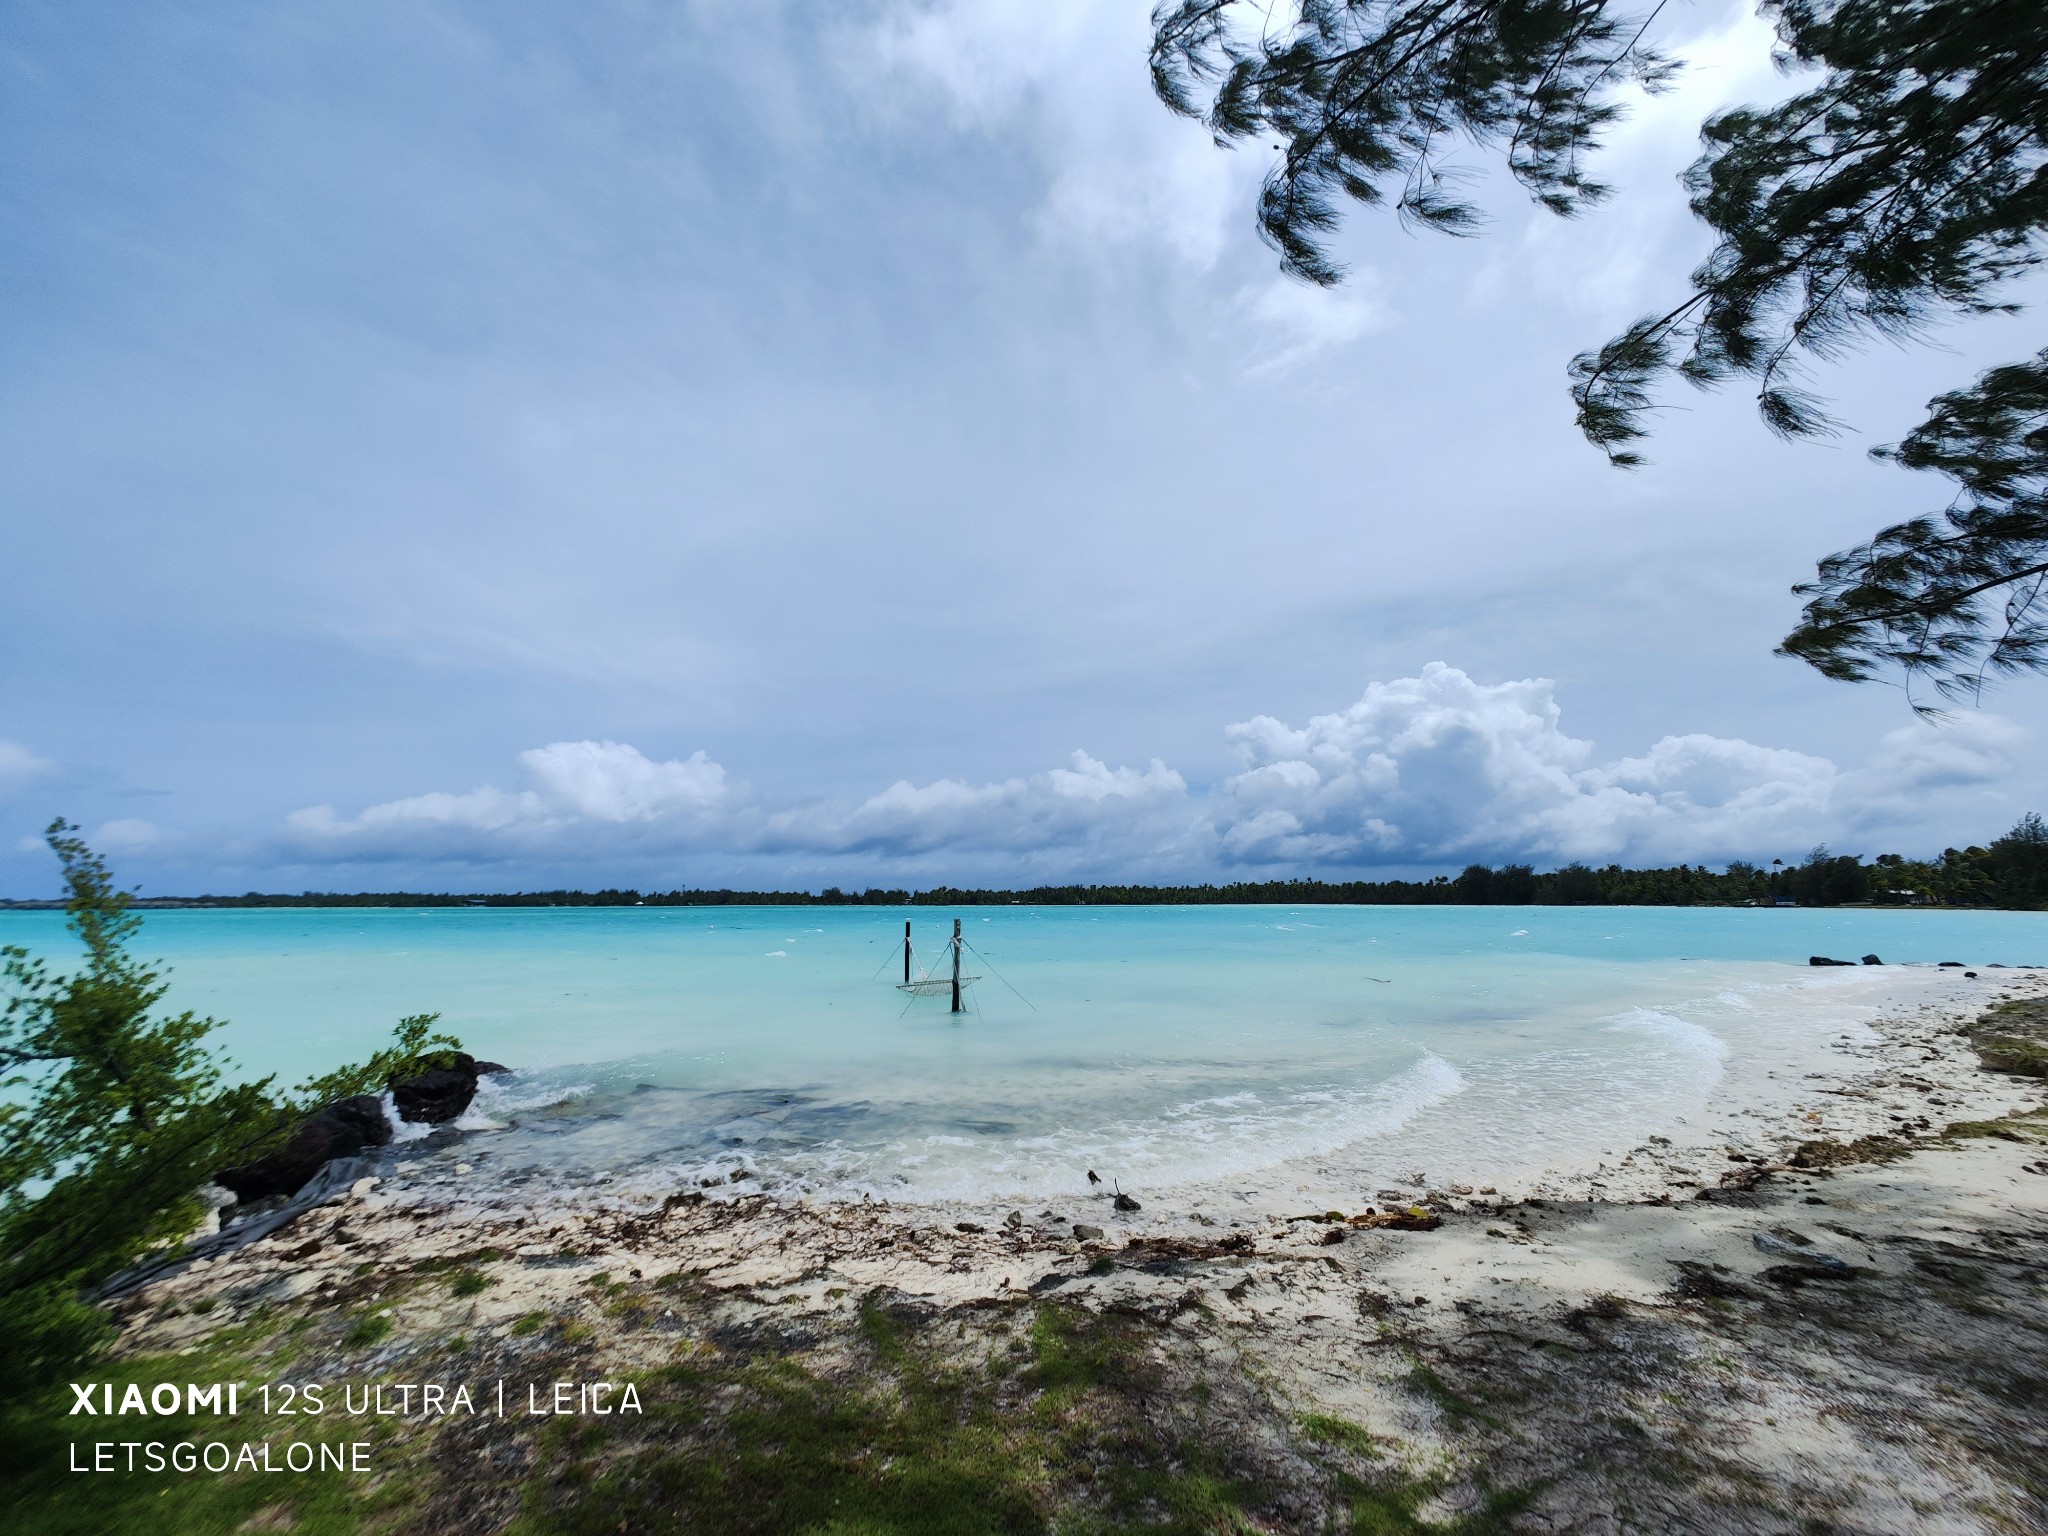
{"points": [[1124, 1202], [1824, 960], [1086, 1233], [344, 1128], [439, 1094], [1872, 960]]}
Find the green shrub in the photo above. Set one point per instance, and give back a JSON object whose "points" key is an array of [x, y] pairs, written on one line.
{"points": [[111, 1117]]}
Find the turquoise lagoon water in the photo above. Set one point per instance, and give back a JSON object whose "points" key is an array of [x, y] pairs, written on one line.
{"points": [[1167, 1047]]}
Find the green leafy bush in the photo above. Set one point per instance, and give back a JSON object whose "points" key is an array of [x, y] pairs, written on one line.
{"points": [[112, 1116]]}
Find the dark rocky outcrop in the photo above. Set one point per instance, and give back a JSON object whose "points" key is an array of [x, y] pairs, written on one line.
{"points": [[1872, 960], [438, 1094], [343, 1129], [1824, 960]]}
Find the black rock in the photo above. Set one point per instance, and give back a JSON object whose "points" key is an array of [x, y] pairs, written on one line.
{"points": [[1124, 1202], [1952, 965], [1872, 960], [488, 1068], [1793, 1276], [343, 1129], [1824, 960], [438, 1094]]}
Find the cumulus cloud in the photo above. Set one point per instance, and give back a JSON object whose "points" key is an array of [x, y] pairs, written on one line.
{"points": [[1440, 767], [576, 785], [1436, 769]]}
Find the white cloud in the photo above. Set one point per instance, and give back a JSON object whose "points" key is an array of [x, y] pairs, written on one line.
{"points": [[1440, 768], [1142, 814], [577, 783], [1431, 770], [1963, 758], [1296, 320], [610, 781], [19, 767], [126, 834], [1123, 171]]}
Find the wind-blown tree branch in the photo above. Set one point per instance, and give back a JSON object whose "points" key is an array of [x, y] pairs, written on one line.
{"points": [[1908, 183], [1370, 96], [1957, 598]]}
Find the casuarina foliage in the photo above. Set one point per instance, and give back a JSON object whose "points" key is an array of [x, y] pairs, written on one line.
{"points": [[1908, 182]]}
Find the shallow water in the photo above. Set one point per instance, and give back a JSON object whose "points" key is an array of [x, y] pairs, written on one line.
{"points": [[1163, 1046]]}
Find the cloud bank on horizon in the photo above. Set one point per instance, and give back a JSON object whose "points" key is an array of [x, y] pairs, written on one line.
{"points": [[1434, 770]]}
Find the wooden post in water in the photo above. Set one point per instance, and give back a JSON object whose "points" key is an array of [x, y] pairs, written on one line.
{"points": [[956, 967], [906, 951]]}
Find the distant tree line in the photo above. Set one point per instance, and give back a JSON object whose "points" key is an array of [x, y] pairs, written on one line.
{"points": [[2011, 872]]}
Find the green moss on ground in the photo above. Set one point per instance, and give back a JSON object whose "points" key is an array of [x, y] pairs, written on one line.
{"points": [[42, 1497], [1326, 1429], [1460, 1411], [887, 1419], [2013, 1037], [1395, 1509], [1837, 1154], [916, 1439]]}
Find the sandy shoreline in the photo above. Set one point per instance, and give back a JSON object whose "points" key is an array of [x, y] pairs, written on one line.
{"points": [[1688, 1331]]}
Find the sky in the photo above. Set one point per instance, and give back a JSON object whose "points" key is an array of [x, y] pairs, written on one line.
{"points": [[479, 445]]}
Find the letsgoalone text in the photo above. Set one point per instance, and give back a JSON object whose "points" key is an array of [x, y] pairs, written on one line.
{"points": [[294, 1400]]}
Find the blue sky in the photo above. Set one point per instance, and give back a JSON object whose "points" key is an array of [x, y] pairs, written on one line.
{"points": [[489, 445]]}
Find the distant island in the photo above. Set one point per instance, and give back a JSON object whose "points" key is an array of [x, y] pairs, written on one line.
{"points": [[2011, 873]]}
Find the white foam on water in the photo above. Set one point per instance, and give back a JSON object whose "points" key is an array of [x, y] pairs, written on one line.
{"points": [[502, 1096], [402, 1131], [1685, 1037], [1198, 1141]]}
